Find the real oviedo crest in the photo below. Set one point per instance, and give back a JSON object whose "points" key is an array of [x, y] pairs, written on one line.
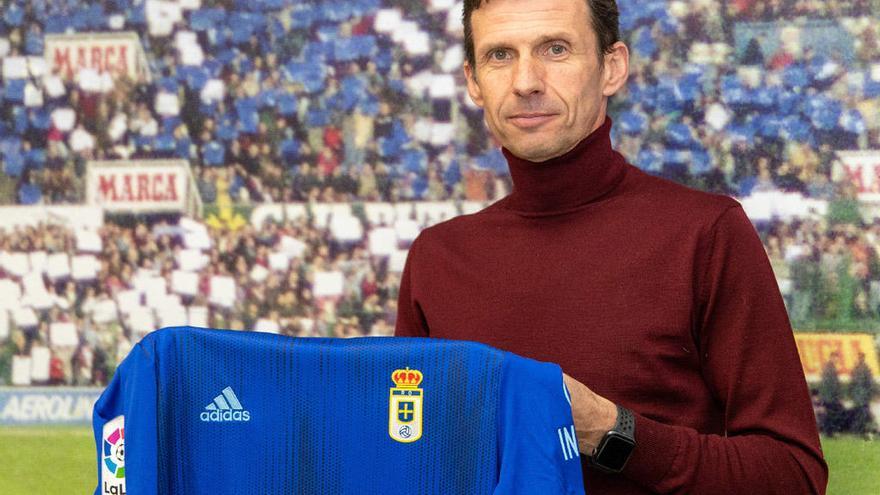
{"points": [[405, 406]]}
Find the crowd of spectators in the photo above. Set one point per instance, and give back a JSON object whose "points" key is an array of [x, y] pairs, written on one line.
{"points": [[276, 279], [826, 272], [772, 10], [278, 274], [283, 101]]}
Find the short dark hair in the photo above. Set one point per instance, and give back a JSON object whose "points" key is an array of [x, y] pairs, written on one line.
{"points": [[604, 16]]}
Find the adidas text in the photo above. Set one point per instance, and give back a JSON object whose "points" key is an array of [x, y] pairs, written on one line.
{"points": [[219, 416]]}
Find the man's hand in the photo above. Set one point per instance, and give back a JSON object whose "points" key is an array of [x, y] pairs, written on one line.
{"points": [[593, 414]]}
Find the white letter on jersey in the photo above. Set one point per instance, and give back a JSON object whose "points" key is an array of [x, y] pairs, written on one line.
{"points": [[568, 442]]}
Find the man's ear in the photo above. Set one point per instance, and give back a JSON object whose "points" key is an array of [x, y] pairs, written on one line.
{"points": [[616, 68], [473, 87]]}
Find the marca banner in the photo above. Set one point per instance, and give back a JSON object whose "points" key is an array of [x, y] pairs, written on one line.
{"points": [[863, 169], [139, 185], [816, 349], [120, 54], [45, 405]]}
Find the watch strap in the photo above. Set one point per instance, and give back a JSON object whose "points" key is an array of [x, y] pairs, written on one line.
{"points": [[626, 422]]}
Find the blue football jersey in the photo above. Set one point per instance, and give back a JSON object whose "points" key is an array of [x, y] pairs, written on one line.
{"points": [[201, 411]]}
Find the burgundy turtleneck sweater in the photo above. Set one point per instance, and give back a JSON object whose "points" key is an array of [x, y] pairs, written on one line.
{"points": [[656, 296]]}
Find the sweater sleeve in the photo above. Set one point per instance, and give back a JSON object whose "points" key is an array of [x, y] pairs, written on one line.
{"points": [[750, 363], [410, 319]]}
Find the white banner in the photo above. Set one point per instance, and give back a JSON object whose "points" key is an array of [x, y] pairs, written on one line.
{"points": [[138, 185], [119, 54], [72, 216], [863, 169]]}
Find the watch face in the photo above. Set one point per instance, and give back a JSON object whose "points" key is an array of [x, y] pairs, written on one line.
{"points": [[615, 453]]}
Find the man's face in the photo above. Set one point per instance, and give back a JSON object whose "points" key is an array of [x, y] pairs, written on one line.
{"points": [[538, 76]]}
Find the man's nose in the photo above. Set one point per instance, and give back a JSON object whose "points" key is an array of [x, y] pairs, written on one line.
{"points": [[528, 77]]}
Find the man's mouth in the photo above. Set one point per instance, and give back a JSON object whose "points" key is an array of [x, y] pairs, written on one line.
{"points": [[529, 120]]}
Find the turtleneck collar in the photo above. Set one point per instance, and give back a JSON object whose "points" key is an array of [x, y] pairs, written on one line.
{"points": [[587, 172]]}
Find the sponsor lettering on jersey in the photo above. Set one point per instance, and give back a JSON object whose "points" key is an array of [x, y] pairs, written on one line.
{"points": [[568, 442]]}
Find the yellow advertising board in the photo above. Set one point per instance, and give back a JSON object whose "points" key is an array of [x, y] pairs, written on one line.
{"points": [[816, 349]]}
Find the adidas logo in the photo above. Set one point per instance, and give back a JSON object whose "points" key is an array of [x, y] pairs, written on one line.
{"points": [[225, 407]]}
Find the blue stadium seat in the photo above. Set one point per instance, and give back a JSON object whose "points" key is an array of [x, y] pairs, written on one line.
{"points": [[20, 121], [56, 24], [667, 97], [383, 60], [852, 121], [164, 144], [13, 14], [741, 132], [420, 187], [35, 158], [824, 113], [289, 150], [821, 78], [676, 157], [205, 19], [194, 77], [10, 145], [700, 162], [871, 86], [770, 126], [15, 90], [644, 43], [227, 129], [650, 160], [679, 135], [182, 148], [144, 143], [452, 174], [213, 153], [246, 111], [30, 194], [80, 20], [13, 164], [33, 44], [795, 128], [286, 104], [268, 98], [303, 16], [795, 76], [96, 18], [136, 15], [690, 84], [492, 160], [633, 122], [414, 161], [168, 84], [317, 117]]}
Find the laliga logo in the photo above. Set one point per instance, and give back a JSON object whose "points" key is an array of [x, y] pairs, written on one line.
{"points": [[225, 407]]}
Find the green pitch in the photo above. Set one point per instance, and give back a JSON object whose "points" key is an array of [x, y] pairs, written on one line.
{"points": [[61, 460]]}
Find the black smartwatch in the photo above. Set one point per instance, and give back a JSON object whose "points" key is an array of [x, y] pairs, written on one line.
{"points": [[617, 445]]}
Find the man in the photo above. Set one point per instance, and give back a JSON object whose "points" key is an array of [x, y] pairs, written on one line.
{"points": [[657, 299]]}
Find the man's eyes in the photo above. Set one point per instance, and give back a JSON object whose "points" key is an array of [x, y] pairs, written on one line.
{"points": [[558, 49], [501, 54], [498, 54]]}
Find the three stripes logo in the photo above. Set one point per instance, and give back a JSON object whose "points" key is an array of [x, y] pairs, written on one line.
{"points": [[225, 407]]}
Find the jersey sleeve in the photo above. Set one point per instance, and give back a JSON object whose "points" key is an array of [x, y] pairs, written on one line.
{"points": [[537, 446], [124, 425]]}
